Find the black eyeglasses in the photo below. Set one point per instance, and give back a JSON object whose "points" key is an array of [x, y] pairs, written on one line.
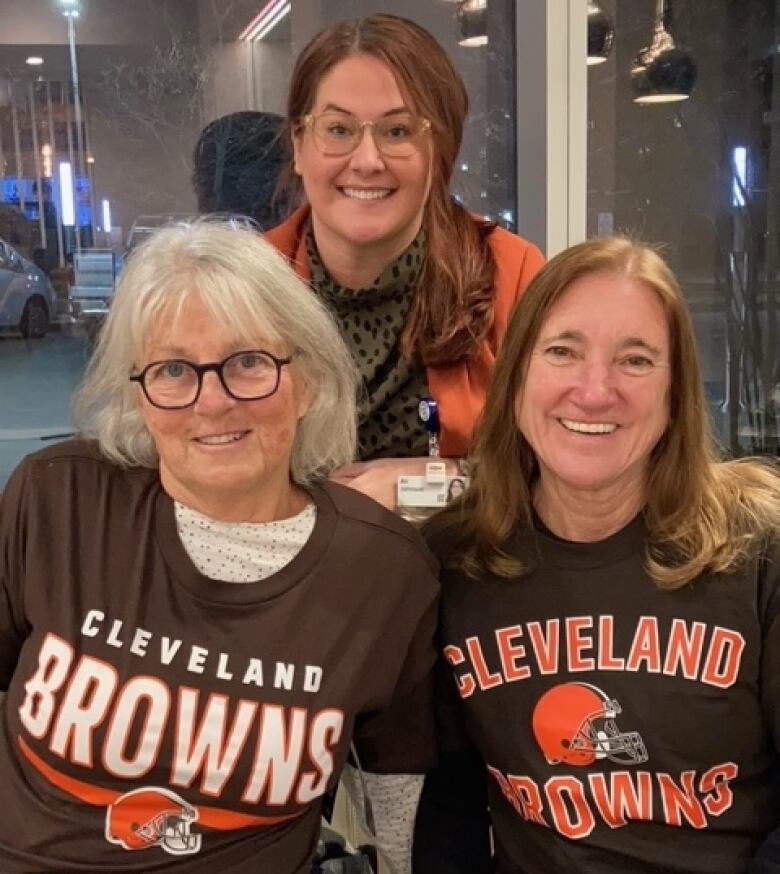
{"points": [[246, 376]]}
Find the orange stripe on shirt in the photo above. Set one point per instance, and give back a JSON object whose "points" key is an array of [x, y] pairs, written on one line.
{"points": [[211, 817]]}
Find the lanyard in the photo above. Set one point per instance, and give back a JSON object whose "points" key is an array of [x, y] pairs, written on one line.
{"points": [[428, 413]]}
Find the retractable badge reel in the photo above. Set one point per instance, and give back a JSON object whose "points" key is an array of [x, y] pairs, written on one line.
{"points": [[420, 496]]}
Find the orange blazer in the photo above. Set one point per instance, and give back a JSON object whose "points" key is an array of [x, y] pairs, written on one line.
{"points": [[459, 389]]}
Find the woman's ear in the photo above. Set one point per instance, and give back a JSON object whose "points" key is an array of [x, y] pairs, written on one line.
{"points": [[304, 397], [295, 137]]}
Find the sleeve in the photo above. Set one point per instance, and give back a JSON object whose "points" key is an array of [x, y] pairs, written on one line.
{"points": [[452, 829], [766, 859], [12, 547], [394, 799], [401, 738]]}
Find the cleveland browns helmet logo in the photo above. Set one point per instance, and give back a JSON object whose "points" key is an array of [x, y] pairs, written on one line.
{"points": [[574, 724], [152, 817]]}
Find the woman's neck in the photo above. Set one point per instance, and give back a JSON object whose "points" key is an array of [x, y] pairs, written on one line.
{"points": [[358, 265], [236, 507], [586, 516]]}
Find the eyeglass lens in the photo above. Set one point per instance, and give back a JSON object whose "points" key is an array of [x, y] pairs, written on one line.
{"points": [[246, 375], [339, 133]]}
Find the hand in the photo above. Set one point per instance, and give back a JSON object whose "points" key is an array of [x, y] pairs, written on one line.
{"points": [[379, 478]]}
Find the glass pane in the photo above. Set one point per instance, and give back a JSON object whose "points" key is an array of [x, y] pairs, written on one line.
{"points": [[97, 138], [696, 175]]}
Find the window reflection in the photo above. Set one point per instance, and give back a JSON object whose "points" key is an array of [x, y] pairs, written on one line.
{"points": [[101, 116], [697, 175]]}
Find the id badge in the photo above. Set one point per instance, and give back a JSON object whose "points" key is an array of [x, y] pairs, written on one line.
{"points": [[432, 491]]}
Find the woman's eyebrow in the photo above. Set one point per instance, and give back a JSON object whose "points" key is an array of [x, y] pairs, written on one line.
{"points": [[633, 342], [167, 351], [333, 107], [576, 336], [626, 343]]}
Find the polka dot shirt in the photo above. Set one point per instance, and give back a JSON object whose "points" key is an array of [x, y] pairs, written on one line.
{"points": [[242, 552]]}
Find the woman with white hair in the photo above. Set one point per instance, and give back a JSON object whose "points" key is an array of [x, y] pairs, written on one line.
{"points": [[194, 623]]}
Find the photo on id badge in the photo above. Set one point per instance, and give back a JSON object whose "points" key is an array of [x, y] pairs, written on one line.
{"points": [[422, 491]]}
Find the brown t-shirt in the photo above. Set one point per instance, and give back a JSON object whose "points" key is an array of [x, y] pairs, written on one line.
{"points": [[621, 728], [158, 720]]}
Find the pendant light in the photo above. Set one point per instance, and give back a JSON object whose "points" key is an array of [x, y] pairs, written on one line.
{"points": [[601, 34], [472, 17], [663, 72]]}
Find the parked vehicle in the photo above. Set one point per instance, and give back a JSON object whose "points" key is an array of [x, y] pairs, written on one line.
{"points": [[27, 301], [94, 275]]}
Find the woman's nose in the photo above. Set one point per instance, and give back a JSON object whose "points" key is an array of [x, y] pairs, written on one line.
{"points": [[213, 398], [595, 385], [366, 156]]}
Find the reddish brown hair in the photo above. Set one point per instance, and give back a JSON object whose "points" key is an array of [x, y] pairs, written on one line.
{"points": [[452, 309]]}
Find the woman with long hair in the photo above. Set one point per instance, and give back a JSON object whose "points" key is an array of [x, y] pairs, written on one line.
{"points": [[610, 601], [421, 289]]}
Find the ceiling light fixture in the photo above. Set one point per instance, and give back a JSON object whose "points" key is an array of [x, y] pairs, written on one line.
{"points": [[663, 72], [265, 20], [601, 34], [34, 60], [69, 8], [68, 203], [472, 17]]}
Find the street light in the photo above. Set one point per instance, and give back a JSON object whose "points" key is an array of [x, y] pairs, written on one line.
{"points": [[71, 9]]}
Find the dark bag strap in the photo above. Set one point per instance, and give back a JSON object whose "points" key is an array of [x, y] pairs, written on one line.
{"points": [[368, 810], [332, 856]]}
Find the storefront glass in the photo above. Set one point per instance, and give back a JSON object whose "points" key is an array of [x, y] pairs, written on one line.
{"points": [[696, 175], [101, 107]]}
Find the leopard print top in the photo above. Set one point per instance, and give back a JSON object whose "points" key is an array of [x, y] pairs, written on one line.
{"points": [[372, 320]]}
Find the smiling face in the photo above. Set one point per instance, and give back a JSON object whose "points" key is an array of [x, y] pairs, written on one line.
{"points": [[225, 458], [595, 398], [364, 199]]}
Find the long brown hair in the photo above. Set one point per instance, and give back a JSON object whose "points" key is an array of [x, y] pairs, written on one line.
{"points": [[452, 311], [703, 514]]}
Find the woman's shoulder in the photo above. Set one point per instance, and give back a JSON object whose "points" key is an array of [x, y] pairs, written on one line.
{"points": [[366, 515], [77, 467], [448, 537], [510, 249], [747, 491], [285, 236], [517, 261]]}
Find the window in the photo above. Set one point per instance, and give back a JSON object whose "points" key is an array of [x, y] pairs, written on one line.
{"points": [[696, 175], [96, 154]]}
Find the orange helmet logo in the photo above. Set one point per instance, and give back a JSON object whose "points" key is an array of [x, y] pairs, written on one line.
{"points": [[152, 817], [575, 724]]}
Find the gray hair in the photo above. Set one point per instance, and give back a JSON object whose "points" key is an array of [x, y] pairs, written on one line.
{"points": [[249, 288]]}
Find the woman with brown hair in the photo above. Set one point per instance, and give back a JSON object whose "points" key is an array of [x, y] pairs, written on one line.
{"points": [[611, 601], [421, 289]]}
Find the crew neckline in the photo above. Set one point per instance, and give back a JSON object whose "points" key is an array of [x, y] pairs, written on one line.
{"points": [[218, 591], [626, 543]]}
